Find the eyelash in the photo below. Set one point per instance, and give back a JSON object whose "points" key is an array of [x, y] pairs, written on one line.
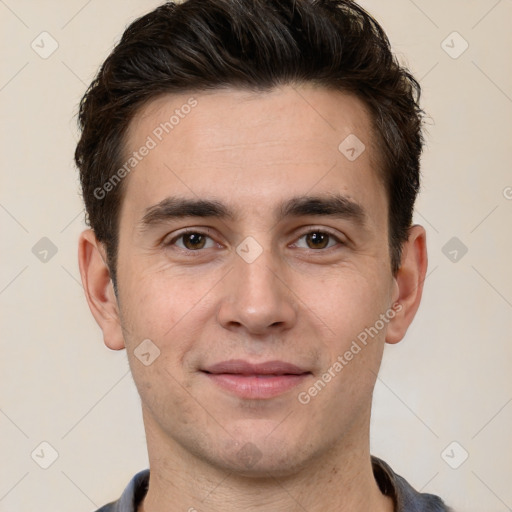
{"points": [[202, 233]]}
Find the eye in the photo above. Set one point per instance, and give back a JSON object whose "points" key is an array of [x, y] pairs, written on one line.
{"points": [[191, 241], [317, 239]]}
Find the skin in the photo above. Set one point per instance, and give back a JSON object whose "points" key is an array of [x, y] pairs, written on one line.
{"points": [[299, 301]]}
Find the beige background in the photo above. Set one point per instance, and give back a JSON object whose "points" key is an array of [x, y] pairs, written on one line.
{"points": [[449, 380]]}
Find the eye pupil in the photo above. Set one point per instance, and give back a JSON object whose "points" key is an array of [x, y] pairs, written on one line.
{"points": [[318, 240], [194, 241]]}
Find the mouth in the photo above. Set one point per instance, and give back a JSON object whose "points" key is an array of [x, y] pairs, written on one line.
{"points": [[256, 381]]}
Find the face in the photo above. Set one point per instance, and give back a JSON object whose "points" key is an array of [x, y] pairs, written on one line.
{"points": [[254, 261]]}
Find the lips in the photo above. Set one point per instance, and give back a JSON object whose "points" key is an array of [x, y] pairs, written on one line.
{"points": [[239, 366], [256, 380]]}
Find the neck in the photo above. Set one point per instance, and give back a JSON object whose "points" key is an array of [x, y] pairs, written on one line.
{"points": [[340, 480]]}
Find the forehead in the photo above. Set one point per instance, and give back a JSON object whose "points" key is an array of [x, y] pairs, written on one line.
{"points": [[253, 148]]}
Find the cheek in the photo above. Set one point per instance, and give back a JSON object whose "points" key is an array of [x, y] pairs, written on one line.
{"points": [[158, 305], [346, 302], [349, 308], [173, 312], [163, 392]]}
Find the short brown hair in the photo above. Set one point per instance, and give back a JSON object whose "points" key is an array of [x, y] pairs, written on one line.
{"points": [[257, 45]]}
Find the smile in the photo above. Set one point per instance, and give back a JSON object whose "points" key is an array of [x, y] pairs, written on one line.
{"points": [[256, 381]]}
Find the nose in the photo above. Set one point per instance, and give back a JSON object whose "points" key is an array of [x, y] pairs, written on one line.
{"points": [[257, 298]]}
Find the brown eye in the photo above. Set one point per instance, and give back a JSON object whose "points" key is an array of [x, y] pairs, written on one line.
{"points": [[317, 240], [191, 241]]}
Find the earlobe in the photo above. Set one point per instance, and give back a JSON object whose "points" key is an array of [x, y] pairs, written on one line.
{"points": [[409, 283], [99, 290]]}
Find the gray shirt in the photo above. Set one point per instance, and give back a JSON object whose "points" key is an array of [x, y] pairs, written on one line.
{"points": [[405, 497]]}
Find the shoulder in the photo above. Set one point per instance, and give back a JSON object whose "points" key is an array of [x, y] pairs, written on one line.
{"points": [[406, 498], [107, 508], [132, 495]]}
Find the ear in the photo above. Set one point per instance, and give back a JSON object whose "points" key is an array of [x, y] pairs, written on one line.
{"points": [[99, 289], [408, 283]]}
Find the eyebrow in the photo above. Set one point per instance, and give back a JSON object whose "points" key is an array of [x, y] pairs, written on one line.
{"points": [[332, 205]]}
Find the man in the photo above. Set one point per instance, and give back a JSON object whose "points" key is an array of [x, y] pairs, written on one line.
{"points": [[249, 171]]}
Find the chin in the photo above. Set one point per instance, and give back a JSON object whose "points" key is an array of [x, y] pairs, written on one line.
{"points": [[264, 456]]}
